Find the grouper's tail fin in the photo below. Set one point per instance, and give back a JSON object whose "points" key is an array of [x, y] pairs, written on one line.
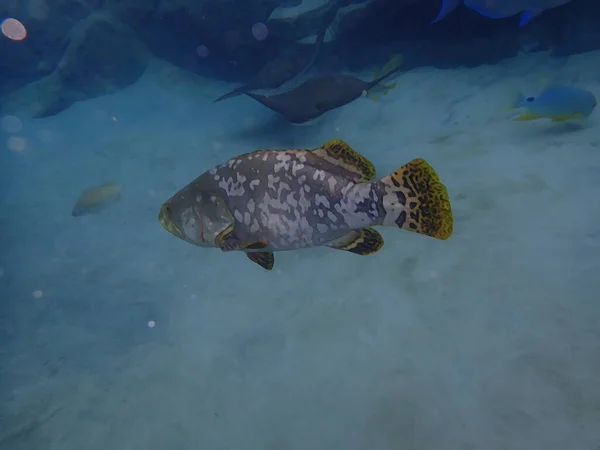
{"points": [[414, 199]]}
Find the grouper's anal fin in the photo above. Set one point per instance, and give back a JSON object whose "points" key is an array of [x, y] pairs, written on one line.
{"points": [[266, 260], [365, 241]]}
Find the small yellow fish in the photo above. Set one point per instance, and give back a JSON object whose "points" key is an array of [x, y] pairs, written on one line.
{"points": [[382, 89], [94, 199]]}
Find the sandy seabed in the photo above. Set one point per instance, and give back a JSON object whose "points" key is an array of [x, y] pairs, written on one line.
{"points": [[487, 341]]}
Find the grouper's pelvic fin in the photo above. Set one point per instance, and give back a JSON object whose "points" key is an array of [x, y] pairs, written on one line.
{"points": [[415, 200]]}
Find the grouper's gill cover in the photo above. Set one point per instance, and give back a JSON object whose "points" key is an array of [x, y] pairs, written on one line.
{"points": [[288, 199]]}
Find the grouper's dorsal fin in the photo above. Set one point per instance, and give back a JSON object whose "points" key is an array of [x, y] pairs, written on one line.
{"points": [[339, 153]]}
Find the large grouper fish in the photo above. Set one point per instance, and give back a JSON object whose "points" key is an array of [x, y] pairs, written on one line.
{"points": [[275, 200]]}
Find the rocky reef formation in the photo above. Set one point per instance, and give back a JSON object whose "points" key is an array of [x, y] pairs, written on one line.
{"points": [[79, 49], [101, 56]]}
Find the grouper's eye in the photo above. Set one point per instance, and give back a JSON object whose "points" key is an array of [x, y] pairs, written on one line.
{"points": [[165, 213], [165, 218], [530, 99]]}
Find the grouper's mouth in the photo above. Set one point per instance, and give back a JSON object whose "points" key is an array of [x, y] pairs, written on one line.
{"points": [[164, 217]]}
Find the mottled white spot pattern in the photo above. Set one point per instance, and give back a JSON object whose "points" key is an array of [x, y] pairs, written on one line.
{"points": [[271, 180], [319, 175], [233, 188], [283, 162], [347, 206], [321, 200], [291, 200], [283, 187], [296, 167], [322, 228], [331, 182], [303, 202], [238, 216], [189, 225]]}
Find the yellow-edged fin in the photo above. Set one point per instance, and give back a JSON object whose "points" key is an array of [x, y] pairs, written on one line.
{"points": [[341, 154], [526, 116], [365, 241], [227, 242], [394, 62], [567, 117], [382, 89], [266, 260], [416, 200]]}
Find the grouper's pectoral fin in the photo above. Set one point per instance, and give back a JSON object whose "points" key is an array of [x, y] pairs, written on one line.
{"points": [[227, 242], [365, 241], [266, 260], [231, 245], [339, 153]]}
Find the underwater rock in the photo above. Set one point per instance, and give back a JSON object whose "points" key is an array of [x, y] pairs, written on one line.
{"points": [[102, 57], [174, 29], [47, 25]]}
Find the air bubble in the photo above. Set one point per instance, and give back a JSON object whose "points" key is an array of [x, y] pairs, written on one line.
{"points": [[202, 51], [11, 124], [16, 144], [13, 29], [260, 31]]}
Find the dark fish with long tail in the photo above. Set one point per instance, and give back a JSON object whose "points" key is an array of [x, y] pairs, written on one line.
{"points": [[318, 95]]}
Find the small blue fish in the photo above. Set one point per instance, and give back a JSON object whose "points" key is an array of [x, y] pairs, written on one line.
{"points": [[499, 9], [558, 103]]}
